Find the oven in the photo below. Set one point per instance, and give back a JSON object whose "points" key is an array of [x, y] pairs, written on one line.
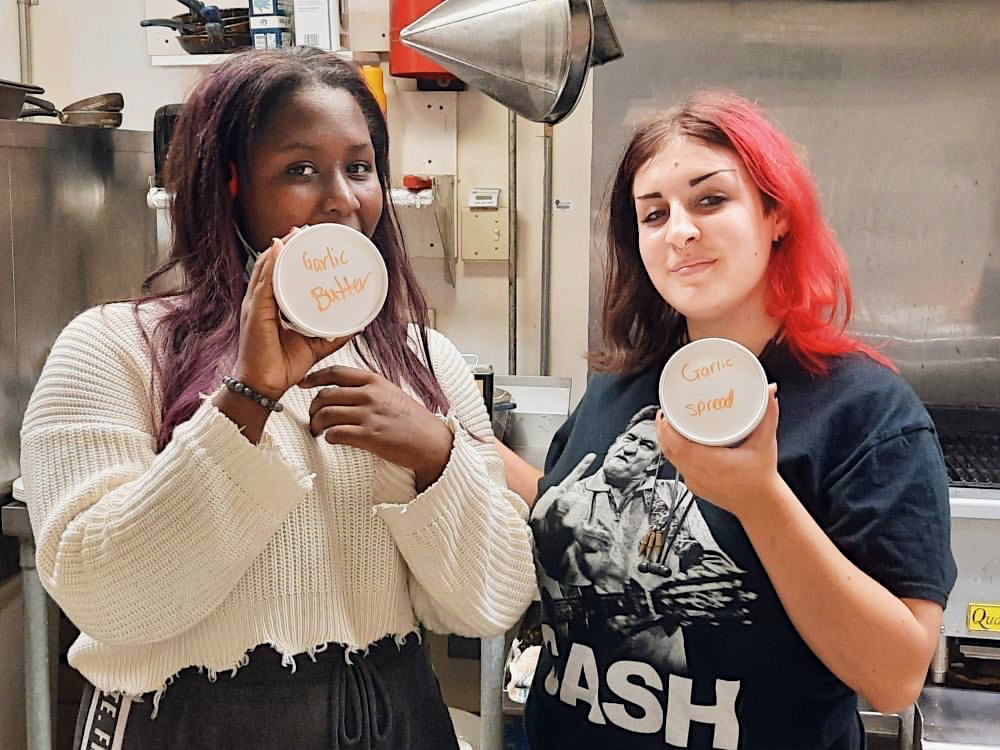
{"points": [[960, 707]]}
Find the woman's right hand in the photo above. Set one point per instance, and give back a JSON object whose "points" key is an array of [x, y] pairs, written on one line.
{"points": [[272, 358]]}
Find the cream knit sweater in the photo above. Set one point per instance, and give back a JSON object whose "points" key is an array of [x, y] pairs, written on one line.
{"points": [[195, 555]]}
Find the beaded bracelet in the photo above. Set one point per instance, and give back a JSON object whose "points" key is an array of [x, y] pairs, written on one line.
{"points": [[243, 389]]}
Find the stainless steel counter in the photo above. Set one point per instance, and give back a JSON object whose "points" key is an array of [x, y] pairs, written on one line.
{"points": [[956, 719]]}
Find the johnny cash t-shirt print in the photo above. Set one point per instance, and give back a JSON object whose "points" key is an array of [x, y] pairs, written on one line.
{"points": [[627, 564]]}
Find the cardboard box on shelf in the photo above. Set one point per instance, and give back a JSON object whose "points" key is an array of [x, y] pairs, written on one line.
{"points": [[316, 24], [271, 32], [270, 7]]}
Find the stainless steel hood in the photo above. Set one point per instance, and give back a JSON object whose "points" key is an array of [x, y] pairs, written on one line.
{"points": [[530, 55]]}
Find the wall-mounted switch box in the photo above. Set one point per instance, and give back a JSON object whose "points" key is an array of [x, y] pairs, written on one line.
{"points": [[484, 234], [484, 198]]}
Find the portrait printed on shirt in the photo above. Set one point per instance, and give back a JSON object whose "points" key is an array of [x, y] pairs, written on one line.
{"points": [[627, 563]]}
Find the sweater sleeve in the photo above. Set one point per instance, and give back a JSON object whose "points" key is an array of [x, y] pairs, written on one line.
{"points": [[135, 546], [465, 538]]}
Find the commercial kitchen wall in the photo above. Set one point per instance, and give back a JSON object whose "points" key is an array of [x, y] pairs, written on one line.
{"points": [[82, 49]]}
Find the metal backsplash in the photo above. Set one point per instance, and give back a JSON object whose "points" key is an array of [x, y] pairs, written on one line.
{"points": [[74, 231], [896, 104]]}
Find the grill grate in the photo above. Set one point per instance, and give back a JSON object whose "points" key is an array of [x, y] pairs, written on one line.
{"points": [[973, 460], [970, 440]]}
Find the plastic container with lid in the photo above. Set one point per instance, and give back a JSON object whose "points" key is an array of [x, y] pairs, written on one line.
{"points": [[330, 281], [714, 391]]}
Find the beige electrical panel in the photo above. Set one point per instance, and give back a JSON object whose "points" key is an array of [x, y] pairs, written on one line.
{"points": [[483, 234]]}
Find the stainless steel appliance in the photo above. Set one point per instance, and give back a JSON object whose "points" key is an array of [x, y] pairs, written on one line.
{"points": [[963, 710], [538, 53], [76, 232]]}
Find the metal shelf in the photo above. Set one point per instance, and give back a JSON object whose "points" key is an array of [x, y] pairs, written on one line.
{"points": [[176, 61]]}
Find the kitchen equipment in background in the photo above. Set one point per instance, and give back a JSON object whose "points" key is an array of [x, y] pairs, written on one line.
{"points": [[103, 111], [483, 375], [543, 404], [86, 231], [157, 197], [404, 61], [531, 57], [503, 406], [954, 719], [229, 30], [207, 14], [202, 44], [965, 701], [163, 129], [235, 22], [12, 96]]}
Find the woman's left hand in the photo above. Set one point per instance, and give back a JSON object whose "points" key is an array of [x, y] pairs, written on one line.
{"points": [[732, 478], [364, 410]]}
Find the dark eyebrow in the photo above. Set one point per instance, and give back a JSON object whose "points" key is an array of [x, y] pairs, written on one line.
{"points": [[704, 177], [692, 183]]}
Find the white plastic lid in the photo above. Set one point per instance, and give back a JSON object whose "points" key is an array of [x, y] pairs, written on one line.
{"points": [[330, 281], [714, 391]]}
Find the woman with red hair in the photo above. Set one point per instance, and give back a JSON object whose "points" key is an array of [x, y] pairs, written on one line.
{"points": [[808, 564]]}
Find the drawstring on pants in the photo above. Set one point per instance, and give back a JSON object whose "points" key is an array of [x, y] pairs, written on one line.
{"points": [[359, 705]]}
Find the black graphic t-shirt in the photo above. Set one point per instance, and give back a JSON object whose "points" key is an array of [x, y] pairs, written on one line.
{"points": [[661, 627]]}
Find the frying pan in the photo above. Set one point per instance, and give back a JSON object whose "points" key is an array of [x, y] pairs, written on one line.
{"points": [[234, 20], [96, 111], [198, 37], [12, 98], [203, 44]]}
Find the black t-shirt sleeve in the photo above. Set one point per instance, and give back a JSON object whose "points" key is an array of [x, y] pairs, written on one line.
{"points": [[889, 514], [559, 440]]}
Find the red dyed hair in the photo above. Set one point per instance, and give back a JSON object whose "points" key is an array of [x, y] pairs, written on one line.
{"points": [[809, 288]]}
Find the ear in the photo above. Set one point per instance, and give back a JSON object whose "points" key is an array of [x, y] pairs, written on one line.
{"points": [[234, 182], [781, 223]]}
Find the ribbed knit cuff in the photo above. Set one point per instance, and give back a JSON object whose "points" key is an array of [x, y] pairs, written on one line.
{"points": [[462, 479], [260, 471]]}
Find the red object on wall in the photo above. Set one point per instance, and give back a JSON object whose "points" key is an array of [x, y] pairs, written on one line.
{"points": [[403, 61], [417, 182]]}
